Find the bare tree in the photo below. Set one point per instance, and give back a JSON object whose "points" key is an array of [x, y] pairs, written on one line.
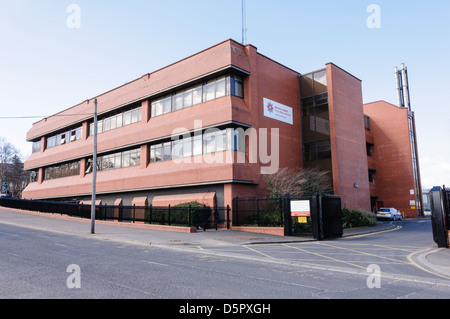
{"points": [[7, 152], [298, 182], [11, 168]]}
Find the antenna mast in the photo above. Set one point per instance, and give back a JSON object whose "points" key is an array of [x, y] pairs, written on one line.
{"points": [[244, 24]]}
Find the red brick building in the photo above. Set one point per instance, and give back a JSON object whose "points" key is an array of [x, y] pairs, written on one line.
{"points": [[241, 116], [394, 173]]}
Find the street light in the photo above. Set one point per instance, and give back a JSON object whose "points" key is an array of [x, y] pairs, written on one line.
{"points": [[94, 170]]}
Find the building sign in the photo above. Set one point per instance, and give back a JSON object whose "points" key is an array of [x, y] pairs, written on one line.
{"points": [[300, 208], [278, 111]]}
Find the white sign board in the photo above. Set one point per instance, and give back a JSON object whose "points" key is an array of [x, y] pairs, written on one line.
{"points": [[300, 208], [278, 111]]}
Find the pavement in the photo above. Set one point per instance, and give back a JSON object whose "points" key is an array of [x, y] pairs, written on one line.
{"points": [[433, 259]]}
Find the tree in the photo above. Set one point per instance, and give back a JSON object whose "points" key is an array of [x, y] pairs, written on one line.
{"points": [[11, 168], [298, 182]]}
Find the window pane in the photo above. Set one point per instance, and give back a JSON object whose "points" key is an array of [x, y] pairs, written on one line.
{"points": [[177, 149], [320, 82], [178, 102], [209, 91], [158, 108], [118, 160], [106, 124], [188, 98], [197, 95], [209, 142], [113, 122], [119, 119], [197, 145], [127, 118], [167, 105], [238, 88], [158, 153], [79, 133], [135, 158], [166, 151], [126, 159], [134, 116], [221, 141], [220, 88], [187, 147], [306, 85]]}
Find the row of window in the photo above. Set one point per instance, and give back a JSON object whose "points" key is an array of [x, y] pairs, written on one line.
{"points": [[115, 161], [214, 89], [131, 116], [64, 138], [209, 142], [62, 170]]}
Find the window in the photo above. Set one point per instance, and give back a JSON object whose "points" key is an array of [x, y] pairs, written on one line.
{"points": [[156, 153], [317, 150], [34, 176], [64, 137], [367, 122], [117, 120], [36, 147], [167, 153], [372, 175], [62, 170], [197, 148], [238, 87], [213, 89], [116, 160], [369, 149], [178, 101], [213, 140], [167, 105]]}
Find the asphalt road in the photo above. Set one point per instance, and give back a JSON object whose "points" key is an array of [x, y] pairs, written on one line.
{"points": [[40, 264]]}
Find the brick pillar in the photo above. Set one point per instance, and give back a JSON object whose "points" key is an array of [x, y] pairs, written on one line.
{"points": [[145, 111], [145, 154]]}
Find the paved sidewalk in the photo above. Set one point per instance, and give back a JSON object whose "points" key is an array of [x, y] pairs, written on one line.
{"points": [[140, 234], [433, 259]]}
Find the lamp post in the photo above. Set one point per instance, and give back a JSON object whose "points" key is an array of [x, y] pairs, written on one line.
{"points": [[94, 170]]}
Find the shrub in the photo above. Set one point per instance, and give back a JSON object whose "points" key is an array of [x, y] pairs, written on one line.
{"points": [[355, 218]]}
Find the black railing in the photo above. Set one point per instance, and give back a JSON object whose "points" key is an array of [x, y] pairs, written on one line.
{"points": [[190, 216], [258, 211]]}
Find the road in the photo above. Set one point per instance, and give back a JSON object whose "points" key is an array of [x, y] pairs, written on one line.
{"points": [[41, 264]]}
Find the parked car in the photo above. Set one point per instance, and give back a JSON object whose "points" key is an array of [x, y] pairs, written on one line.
{"points": [[426, 212], [389, 213]]}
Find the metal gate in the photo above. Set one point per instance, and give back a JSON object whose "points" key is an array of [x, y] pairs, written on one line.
{"points": [[322, 220], [440, 215]]}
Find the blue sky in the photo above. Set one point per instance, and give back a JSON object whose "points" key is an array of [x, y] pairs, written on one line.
{"points": [[46, 67]]}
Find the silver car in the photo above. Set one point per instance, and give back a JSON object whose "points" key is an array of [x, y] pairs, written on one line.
{"points": [[389, 213]]}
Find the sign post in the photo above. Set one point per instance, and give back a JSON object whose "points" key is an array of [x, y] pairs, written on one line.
{"points": [[94, 170]]}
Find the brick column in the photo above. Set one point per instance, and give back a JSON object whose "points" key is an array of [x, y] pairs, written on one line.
{"points": [[145, 111], [145, 154]]}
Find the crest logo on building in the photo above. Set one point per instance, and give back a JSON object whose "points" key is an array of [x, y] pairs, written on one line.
{"points": [[269, 107]]}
